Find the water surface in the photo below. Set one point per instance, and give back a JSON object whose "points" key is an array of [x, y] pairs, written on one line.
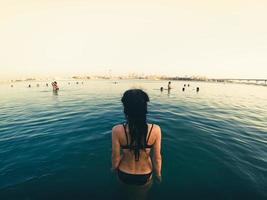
{"points": [[58, 145]]}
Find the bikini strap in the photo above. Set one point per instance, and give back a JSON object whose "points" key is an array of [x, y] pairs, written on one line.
{"points": [[125, 133], [149, 133]]}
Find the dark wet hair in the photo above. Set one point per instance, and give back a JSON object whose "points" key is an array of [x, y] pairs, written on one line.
{"points": [[135, 110]]}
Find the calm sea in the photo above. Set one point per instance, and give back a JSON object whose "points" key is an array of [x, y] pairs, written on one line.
{"points": [[58, 145]]}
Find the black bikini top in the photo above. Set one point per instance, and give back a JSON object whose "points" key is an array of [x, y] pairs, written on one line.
{"points": [[127, 146]]}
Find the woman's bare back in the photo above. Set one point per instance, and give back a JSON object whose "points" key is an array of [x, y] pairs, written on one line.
{"points": [[128, 162]]}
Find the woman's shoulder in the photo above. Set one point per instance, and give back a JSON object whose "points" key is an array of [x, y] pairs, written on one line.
{"points": [[117, 128], [156, 131], [156, 127]]}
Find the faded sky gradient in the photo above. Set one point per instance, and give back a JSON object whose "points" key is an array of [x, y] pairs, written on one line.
{"points": [[222, 39]]}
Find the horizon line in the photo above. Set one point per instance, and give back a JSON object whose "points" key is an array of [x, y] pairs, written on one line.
{"points": [[129, 76]]}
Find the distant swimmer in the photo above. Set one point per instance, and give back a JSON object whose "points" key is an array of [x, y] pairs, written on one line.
{"points": [[46, 84], [11, 85], [188, 85], [161, 89], [115, 82], [169, 85], [183, 89], [69, 83], [37, 85], [197, 89], [77, 82], [82, 82], [29, 85], [55, 86], [184, 85]]}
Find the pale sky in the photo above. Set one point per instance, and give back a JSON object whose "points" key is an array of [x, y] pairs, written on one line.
{"points": [[223, 39]]}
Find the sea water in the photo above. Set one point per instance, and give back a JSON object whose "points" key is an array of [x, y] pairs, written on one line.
{"points": [[57, 145]]}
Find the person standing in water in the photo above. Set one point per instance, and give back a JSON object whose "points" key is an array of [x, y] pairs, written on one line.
{"points": [[136, 138], [169, 85], [55, 86]]}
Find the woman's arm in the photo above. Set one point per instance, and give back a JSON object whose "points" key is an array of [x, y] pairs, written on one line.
{"points": [[115, 148], [157, 154]]}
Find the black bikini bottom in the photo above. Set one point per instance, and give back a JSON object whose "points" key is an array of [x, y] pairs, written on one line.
{"points": [[134, 179]]}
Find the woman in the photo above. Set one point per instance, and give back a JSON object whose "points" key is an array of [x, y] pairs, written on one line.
{"points": [[136, 138]]}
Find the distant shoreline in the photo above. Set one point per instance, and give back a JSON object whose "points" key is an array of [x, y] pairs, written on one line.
{"points": [[262, 82]]}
